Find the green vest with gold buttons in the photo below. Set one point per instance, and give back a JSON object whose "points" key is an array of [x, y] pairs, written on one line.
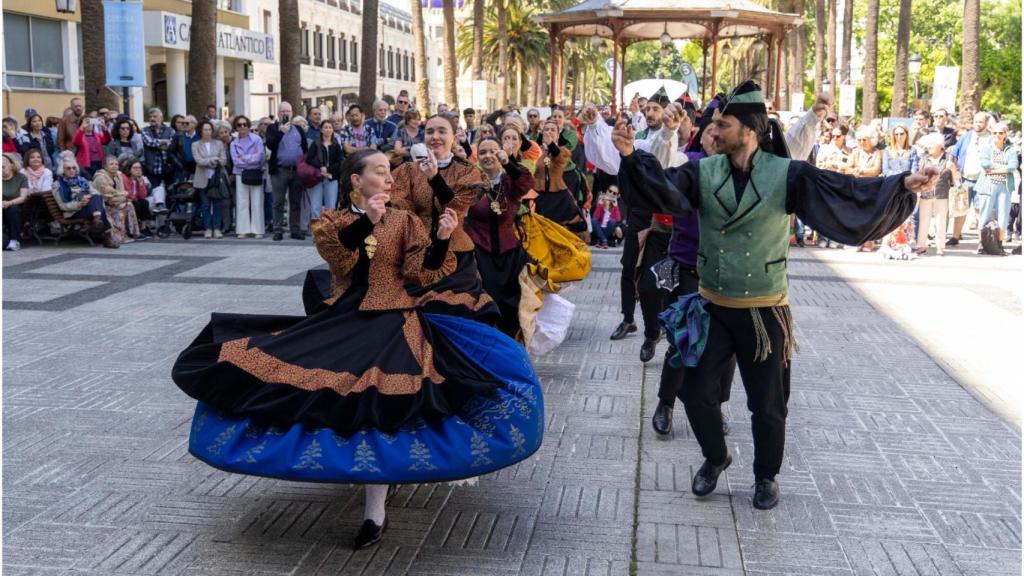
{"points": [[744, 247]]}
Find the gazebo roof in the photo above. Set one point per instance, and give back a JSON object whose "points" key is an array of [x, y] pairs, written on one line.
{"points": [[648, 19]]}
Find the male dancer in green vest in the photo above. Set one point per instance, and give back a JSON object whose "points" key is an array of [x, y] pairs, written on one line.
{"points": [[744, 196]]}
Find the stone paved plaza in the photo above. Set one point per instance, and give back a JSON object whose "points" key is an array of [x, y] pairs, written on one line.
{"points": [[903, 454]]}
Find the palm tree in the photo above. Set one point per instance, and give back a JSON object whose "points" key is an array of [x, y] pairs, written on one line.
{"points": [[478, 39], [94, 63], [870, 62], [899, 83], [525, 43], [844, 68], [820, 17], [833, 7], [420, 55], [290, 41], [970, 96], [368, 56], [503, 51], [451, 65], [201, 89]]}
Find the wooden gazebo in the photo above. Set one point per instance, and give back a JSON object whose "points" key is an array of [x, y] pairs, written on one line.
{"points": [[625, 22]]}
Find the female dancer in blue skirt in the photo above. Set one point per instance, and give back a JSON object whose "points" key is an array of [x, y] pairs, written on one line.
{"points": [[371, 389]]}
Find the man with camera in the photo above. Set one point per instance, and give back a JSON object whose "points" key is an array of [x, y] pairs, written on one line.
{"points": [[287, 143]]}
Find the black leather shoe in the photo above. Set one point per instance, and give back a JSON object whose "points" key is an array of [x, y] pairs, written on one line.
{"points": [[766, 493], [662, 420], [369, 534], [953, 241], [623, 329], [298, 236], [278, 236], [647, 350], [706, 479]]}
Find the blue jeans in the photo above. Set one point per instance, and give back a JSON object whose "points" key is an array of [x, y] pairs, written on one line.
{"points": [[993, 201], [603, 232], [323, 195], [210, 211]]}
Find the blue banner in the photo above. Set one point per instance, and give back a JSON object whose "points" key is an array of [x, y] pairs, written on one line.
{"points": [[124, 43]]}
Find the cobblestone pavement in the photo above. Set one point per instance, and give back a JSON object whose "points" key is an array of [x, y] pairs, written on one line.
{"points": [[892, 467]]}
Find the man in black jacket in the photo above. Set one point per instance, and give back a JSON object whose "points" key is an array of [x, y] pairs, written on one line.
{"points": [[287, 143]]}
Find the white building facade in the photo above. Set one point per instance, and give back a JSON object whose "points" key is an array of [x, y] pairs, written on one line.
{"points": [[331, 45]]}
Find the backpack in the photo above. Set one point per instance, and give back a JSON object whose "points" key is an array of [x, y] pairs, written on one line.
{"points": [[990, 243]]}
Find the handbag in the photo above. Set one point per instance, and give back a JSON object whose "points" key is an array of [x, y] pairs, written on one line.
{"points": [[309, 175], [218, 188], [252, 177], [959, 201]]}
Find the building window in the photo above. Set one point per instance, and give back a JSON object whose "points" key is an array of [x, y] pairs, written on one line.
{"points": [[380, 59], [412, 65], [355, 56], [268, 22], [343, 52], [304, 37], [318, 47], [405, 64], [331, 48], [35, 52], [391, 63]]}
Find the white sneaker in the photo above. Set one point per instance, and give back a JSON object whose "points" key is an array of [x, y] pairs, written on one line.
{"points": [[14, 245], [218, 234], [242, 236], [208, 234], [258, 236]]}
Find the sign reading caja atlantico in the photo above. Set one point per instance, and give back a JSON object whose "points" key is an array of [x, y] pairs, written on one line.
{"points": [[168, 30]]}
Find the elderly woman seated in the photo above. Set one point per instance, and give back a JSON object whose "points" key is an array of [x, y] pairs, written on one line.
{"points": [[75, 199], [120, 211]]}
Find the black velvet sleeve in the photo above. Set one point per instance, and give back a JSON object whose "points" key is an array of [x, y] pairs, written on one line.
{"points": [[645, 185], [442, 191], [553, 150], [352, 236], [846, 209], [436, 253]]}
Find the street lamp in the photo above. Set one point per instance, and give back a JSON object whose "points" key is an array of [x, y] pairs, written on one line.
{"points": [[666, 38], [826, 86], [66, 6], [570, 43], [726, 48], [914, 65], [596, 41]]}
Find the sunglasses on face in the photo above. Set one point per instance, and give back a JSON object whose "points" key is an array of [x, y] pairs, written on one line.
{"points": [[531, 116], [241, 125]]}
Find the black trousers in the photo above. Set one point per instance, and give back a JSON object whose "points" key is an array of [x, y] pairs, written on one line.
{"points": [[731, 333], [670, 386], [636, 222], [652, 298], [287, 188], [12, 222]]}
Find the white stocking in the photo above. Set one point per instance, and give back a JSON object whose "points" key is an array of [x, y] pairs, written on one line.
{"points": [[376, 497]]}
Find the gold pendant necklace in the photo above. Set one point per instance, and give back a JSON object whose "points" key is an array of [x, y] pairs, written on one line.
{"points": [[371, 246]]}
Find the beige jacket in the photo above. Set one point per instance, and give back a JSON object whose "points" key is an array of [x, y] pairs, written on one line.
{"points": [[218, 156]]}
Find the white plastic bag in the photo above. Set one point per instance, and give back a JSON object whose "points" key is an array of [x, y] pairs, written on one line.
{"points": [[552, 325]]}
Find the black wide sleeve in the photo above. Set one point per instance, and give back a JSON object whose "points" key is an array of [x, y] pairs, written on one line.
{"points": [[645, 185], [442, 191], [846, 209], [436, 253], [352, 236]]}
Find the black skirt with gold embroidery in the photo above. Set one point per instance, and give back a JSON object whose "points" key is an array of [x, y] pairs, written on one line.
{"points": [[339, 368]]}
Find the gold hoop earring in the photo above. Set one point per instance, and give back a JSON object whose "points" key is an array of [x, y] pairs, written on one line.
{"points": [[355, 196]]}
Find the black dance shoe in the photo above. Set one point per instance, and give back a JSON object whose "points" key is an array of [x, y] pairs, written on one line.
{"points": [[766, 493], [623, 329], [647, 349], [370, 534], [706, 479], [278, 236], [662, 420]]}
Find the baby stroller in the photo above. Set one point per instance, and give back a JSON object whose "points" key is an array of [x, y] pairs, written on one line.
{"points": [[182, 205]]}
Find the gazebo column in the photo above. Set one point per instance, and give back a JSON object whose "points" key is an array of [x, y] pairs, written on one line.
{"points": [[622, 84], [552, 86], [703, 72], [778, 68], [561, 70], [714, 62], [615, 72]]}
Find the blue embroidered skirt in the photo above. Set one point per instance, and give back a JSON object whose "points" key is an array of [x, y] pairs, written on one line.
{"points": [[484, 413]]}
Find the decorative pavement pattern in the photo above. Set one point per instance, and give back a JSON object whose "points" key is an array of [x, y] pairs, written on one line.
{"points": [[892, 468]]}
